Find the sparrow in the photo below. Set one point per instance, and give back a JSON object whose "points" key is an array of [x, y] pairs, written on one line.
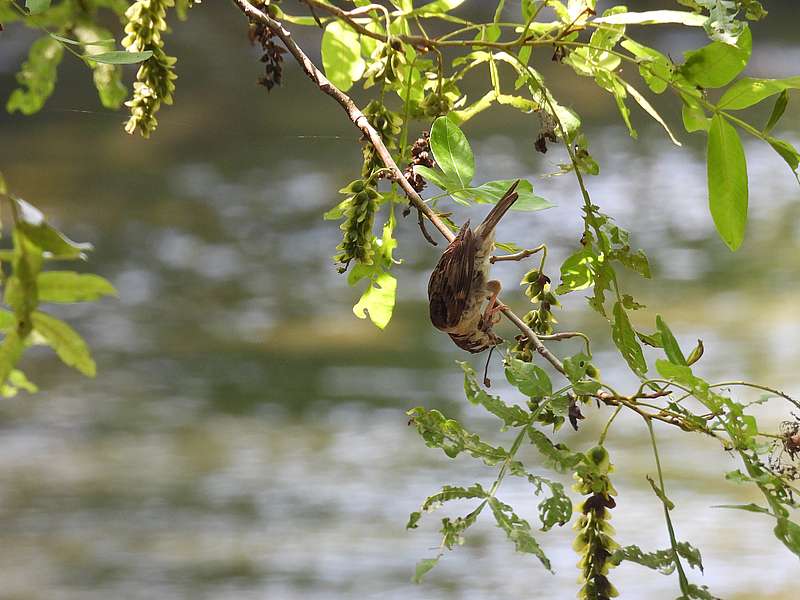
{"points": [[460, 284]]}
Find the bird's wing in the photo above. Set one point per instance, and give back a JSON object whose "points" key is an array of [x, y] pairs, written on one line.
{"points": [[451, 280]]}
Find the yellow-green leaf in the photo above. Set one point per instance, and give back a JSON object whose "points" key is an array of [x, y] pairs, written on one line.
{"points": [[62, 338], [727, 181], [378, 300], [69, 286], [341, 55]]}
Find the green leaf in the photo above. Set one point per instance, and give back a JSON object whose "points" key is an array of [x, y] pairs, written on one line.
{"points": [[37, 6], [69, 286], [378, 300], [648, 108], [107, 77], [653, 17], [437, 7], [748, 91], [10, 352], [670, 344], [120, 57], [90, 42], [727, 181], [625, 340], [555, 456], [438, 179], [492, 191], [575, 367], [668, 504], [556, 509], [577, 271], [654, 67], [718, 63], [781, 102], [341, 55], [747, 507], [47, 238], [662, 561], [69, 346], [37, 77], [447, 434], [681, 374], [528, 378], [423, 566], [787, 152], [452, 152], [511, 414], [694, 117], [518, 531], [3, 187]]}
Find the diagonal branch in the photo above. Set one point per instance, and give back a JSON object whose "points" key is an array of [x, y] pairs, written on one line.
{"points": [[360, 121]]}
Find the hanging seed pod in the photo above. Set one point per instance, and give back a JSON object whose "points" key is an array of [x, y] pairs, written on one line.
{"points": [[358, 210], [594, 541]]}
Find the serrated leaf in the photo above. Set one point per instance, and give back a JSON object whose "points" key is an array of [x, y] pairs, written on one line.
{"points": [[556, 509], [518, 531], [69, 286], [625, 339], [437, 431], [452, 152], [556, 456], [671, 347], [528, 378], [511, 414], [378, 300], [62, 338], [727, 181], [662, 561], [341, 55]]}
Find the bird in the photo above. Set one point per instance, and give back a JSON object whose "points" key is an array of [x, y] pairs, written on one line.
{"points": [[460, 284]]}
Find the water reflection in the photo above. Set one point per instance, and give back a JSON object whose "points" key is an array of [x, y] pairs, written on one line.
{"points": [[246, 435]]}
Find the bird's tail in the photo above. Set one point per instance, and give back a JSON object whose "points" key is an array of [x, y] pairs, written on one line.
{"points": [[502, 206]]}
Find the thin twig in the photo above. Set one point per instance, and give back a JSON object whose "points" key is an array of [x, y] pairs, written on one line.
{"points": [[361, 121]]}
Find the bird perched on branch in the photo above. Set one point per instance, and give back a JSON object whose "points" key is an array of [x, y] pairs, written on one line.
{"points": [[460, 284]]}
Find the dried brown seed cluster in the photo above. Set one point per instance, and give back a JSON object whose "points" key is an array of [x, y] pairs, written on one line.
{"points": [[272, 57], [420, 155]]}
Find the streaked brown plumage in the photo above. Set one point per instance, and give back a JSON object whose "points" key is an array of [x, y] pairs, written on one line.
{"points": [[460, 283]]}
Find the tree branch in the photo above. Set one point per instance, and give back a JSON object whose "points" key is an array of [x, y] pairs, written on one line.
{"points": [[360, 121]]}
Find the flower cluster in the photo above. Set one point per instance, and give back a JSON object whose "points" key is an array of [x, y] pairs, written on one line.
{"points": [[594, 542], [359, 216], [155, 79]]}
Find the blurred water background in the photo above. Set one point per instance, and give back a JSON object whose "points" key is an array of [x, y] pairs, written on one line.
{"points": [[246, 437]]}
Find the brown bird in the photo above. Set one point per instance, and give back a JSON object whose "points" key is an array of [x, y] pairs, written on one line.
{"points": [[460, 283]]}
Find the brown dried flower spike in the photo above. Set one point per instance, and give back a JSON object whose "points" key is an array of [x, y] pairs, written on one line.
{"points": [[272, 57]]}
